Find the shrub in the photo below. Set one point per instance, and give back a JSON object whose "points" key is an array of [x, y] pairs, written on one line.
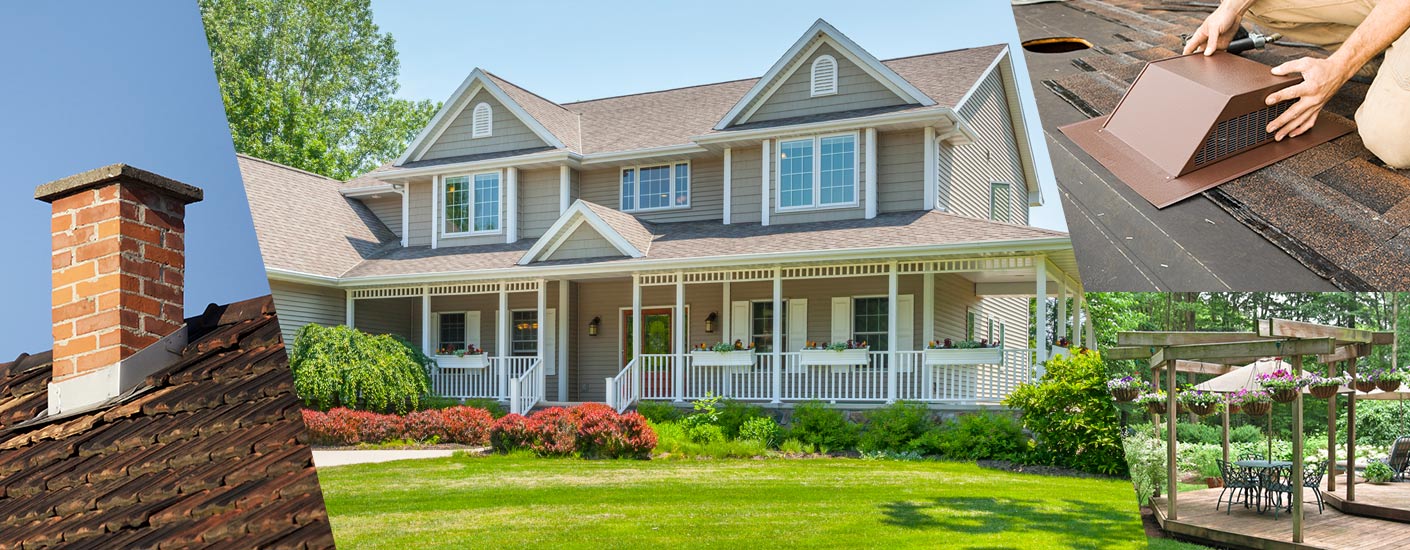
{"points": [[979, 436], [1072, 416], [343, 367], [326, 429], [637, 437], [597, 431], [1145, 455], [818, 425], [795, 447], [510, 432], [762, 429], [466, 425], [658, 411], [1199, 433], [555, 432], [734, 414], [893, 427], [705, 433], [1249, 433], [671, 439], [706, 412]]}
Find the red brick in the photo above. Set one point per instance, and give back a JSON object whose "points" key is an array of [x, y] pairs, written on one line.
{"points": [[97, 359], [62, 331], [175, 240], [63, 366], [61, 222], [61, 260], [96, 213], [98, 285], [164, 256], [160, 291], [142, 304], [98, 322], [173, 276], [75, 201], [107, 193], [73, 238], [76, 346], [158, 326], [109, 228], [140, 268], [73, 310], [96, 249], [111, 300], [142, 233], [78, 272], [61, 295], [170, 221], [172, 311]]}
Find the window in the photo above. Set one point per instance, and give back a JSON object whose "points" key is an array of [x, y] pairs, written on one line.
{"points": [[656, 187], [818, 171], [761, 325], [451, 333], [1000, 202], [824, 76], [524, 333], [471, 204], [869, 319], [971, 324], [482, 121]]}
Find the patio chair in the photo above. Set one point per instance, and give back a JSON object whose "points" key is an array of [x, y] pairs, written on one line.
{"points": [[1399, 458], [1251, 456], [1312, 479], [1277, 482], [1243, 483]]}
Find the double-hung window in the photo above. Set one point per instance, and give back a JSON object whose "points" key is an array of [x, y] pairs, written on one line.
{"points": [[524, 333], [761, 325], [471, 204], [869, 322], [656, 187], [817, 172], [451, 333]]}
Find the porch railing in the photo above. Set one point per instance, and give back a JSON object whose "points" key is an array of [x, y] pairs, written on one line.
{"points": [[490, 382], [677, 377], [526, 390]]}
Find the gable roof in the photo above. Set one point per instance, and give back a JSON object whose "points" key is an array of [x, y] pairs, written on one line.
{"points": [[209, 451], [520, 102], [623, 231]]}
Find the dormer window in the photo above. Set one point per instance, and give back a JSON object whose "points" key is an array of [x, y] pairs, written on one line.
{"points": [[656, 187], [824, 76], [471, 205], [482, 121], [817, 172]]}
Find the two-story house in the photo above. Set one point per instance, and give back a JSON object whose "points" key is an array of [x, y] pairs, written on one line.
{"points": [[587, 247]]}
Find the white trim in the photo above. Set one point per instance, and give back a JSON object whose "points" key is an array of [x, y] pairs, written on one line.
{"points": [[961, 133], [622, 329], [475, 128], [867, 62], [973, 88], [636, 186], [436, 331], [350, 310], [816, 174], [454, 104], [764, 177], [510, 226], [871, 162], [436, 183], [1008, 216], [553, 248], [1018, 120], [565, 188], [728, 185], [439, 229], [561, 346], [405, 191], [538, 351], [369, 191], [576, 215], [646, 153], [829, 86], [931, 167]]}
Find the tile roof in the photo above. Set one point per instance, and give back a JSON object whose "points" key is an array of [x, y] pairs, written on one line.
{"points": [[304, 224], [683, 240], [210, 451]]}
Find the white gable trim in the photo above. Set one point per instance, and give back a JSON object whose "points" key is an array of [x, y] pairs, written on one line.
{"points": [[577, 215], [792, 60], [458, 102]]}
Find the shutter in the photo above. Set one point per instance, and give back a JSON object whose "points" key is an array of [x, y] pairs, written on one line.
{"points": [[797, 329], [739, 321], [905, 329], [472, 329], [549, 353], [841, 319]]}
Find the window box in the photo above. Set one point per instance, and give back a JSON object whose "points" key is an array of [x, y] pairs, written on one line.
{"points": [[843, 358], [737, 358], [476, 361], [964, 356], [1058, 351]]}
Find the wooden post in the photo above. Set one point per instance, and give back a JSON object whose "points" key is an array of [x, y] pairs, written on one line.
{"points": [[1172, 481], [1332, 436], [1297, 468], [1226, 433], [1350, 368]]}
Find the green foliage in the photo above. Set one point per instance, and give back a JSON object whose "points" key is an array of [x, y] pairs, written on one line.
{"points": [[978, 436], [673, 439], [495, 408], [1247, 433], [1186, 432], [1379, 422], [433, 402], [817, 424], [341, 366], [705, 433], [734, 414], [893, 427], [658, 411], [795, 447], [310, 83], [762, 429], [1378, 472], [1072, 416], [1145, 456], [706, 412]]}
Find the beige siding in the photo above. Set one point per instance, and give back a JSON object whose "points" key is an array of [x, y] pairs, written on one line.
{"points": [[538, 201], [745, 184], [399, 316], [900, 171], [604, 186], [595, 358], [419, 209], [967, 171], [508, 134], [855, 90], [488, 306], [584, 242], [1012, 311], [387, 207], [954, 295], [300, 304]]}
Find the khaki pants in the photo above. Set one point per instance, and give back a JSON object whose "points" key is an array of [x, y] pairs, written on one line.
{"points": [[1383, 120]]}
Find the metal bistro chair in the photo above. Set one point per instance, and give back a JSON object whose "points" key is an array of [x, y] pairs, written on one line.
{"points": [[1243, 483], [1312, 479], [1399, 458], [1251, 456], [1276, 483]]}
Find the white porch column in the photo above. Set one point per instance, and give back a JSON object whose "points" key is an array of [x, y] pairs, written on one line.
{"points": [[636, 333], [565, 189], [728, 185], [891, 288], [928, 304], [351, 313], [562, 341], [1091, 328], [1040, 310], [511, 206], [1062, 310], [764, 194], [725, 308], [539, 318], [871, 172], [1078, 301], [776, 337], [932, 186], [435, 210], [678, 327], [426, 322], [501, 341]]}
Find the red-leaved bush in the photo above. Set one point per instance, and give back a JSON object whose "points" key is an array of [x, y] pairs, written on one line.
{"points": [[555, 432], [512, 431], [341, 426], [638, 439]]}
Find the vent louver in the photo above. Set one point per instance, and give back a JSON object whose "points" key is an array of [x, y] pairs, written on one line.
{"points": [[1190, 123]]}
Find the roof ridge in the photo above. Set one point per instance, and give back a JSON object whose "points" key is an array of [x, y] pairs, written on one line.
{"points": [[295, 169], [528, 91], [956, 50]]}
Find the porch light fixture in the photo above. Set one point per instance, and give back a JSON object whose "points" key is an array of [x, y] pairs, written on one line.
{"points": [[593, 325], [710, 322]]}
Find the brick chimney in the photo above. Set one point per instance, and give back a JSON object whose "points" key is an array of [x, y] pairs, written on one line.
{"points": [[119, 261]]}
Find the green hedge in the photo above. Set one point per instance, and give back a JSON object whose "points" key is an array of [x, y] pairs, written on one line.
{"points": [[1073, 419], [344, 367]]}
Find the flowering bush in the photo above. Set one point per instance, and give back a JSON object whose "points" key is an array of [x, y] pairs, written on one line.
{"points": [[1246, 397], [555, 432], [593, 430], [1281, 379], [1128, 383], [342, 426]]}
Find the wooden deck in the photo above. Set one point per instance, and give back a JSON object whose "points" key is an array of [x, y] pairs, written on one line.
{"points": [[1331, 529], [1390, 501]]}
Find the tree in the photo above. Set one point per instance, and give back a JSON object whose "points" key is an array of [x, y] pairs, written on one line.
{"points": [[310, 83]]}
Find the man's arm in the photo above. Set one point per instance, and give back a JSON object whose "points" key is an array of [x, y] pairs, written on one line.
{"points": [[1218, 29]]}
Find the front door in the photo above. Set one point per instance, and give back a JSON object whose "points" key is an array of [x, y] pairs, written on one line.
{"points": [[655, 330]]}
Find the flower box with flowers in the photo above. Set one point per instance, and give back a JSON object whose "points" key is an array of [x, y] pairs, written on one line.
{"points": [[1324, 387], [723, 354], [1200, 402], [1155, 402], [837, 354], [1127, 388], [1252, 402], [1281, 384], [469, 357], [1061, 347], [963, 352]]}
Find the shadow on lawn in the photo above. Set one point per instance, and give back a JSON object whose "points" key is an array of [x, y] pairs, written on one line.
{"points": [[987, 515]]}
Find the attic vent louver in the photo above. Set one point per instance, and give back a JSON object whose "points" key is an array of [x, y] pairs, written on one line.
{"points": [[824, 76], [482, 121], [1192, 122]]}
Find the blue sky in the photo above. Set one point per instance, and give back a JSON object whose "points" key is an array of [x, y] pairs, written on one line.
{"points": [[114, 82], [565, 53]]}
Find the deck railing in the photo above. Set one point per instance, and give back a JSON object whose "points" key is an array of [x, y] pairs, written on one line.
{"points": [[624, 389], [489, 382], [526, 390]]}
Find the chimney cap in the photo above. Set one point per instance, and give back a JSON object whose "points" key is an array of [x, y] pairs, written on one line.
{"points": [[113, 173]]}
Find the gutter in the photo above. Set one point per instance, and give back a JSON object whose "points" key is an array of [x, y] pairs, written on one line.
{"points": [[888, 118]]}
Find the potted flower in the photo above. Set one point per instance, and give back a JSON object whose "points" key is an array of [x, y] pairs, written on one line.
{"points": [[1200, 402], [1126, 388], [723, 354], [1365, 382], [1282, 384], [456, 357], [1153, 402], [1061, 346], [963, 352], [1378, 473], [1252, 402], [1389, 380], [835, 354], [1324, 387]]}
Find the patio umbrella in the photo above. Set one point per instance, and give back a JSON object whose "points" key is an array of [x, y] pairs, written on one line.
{"points": [[1246, 378]]}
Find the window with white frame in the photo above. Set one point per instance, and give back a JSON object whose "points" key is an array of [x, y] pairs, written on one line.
{"points": [[656, 187], [1001, 202], [761, 325], [870, 320], [824, 76], [817, 172], [451, 333], [482, 121], [471, 204], [524, 333]]}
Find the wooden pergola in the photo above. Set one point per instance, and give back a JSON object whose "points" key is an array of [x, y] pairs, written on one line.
{"points": [[1221, 352]]}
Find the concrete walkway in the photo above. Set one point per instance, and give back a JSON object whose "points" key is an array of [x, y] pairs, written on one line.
{"points": [[326, 458]]}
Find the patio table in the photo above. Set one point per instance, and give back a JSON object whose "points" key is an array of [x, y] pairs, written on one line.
{"points": [[1263, 465]]}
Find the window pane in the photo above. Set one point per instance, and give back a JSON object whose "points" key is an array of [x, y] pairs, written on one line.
{"points": [[761, 325], [654, 187], [795, 173], [869, 322], [487, 202], [452, 333], [682, 185], [838, 176], [524, 333], [999, 202], [628, 189], [457, 201]]}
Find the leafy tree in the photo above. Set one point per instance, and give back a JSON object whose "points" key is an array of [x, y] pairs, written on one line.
{"points": [[310, 83], [344, 367], [1072, 416]]}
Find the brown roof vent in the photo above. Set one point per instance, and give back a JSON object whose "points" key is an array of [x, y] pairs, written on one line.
{"points": [[1192, 122]]}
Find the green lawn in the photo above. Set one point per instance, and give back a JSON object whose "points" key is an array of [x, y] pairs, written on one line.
{"points": [[468, 502]]}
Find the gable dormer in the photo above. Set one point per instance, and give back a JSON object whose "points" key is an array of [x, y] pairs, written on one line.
{"points": [[488, 115], [824, 72]]}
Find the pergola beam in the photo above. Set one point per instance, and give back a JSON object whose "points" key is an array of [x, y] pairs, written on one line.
{"points": [[1345, 353], [1164, 338], [1201, 367], [1283, 328], [1267, 348]]}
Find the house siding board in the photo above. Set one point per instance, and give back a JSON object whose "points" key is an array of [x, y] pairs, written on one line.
{"points": [[585, 242], [419, 207], [954, 295], [508, 134], [744, 203], [488, 306], [300, 304], [387, 207], [900, 171], [966, 171], [389, 316], [596, 358], [603, 186], [538, 201], [1012, 311], [855, 90]]}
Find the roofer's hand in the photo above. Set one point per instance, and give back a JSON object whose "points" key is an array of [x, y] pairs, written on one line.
{"points": [[1321, 78], [1217, 30]]}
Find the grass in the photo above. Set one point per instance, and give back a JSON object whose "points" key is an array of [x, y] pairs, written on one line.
{"points": [[517, 501]]}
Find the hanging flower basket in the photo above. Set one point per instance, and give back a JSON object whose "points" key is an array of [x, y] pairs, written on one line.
{"points": [[1127, 388], [1388, 385], [1157, 407], [1323, 388], [1252, 402], [1200, 402], [1282, 384], [1257, 409], [1153, 402], [1236, 409], [1203, 409], [1365, 386], [1125, 395], [1322, 392], [1285, 395]]}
